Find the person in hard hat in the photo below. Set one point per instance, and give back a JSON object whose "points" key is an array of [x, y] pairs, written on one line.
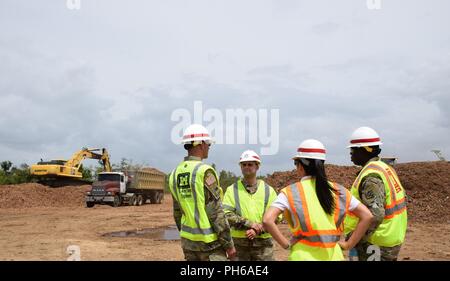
{"points": [[378, 187], [315, 209], [245, 203], [197, 202]]}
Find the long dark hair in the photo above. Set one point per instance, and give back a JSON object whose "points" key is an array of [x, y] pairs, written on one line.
{"points": [[324, 191]]}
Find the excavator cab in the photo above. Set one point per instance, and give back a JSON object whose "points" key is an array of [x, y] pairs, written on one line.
{"points": [[52, 162]]}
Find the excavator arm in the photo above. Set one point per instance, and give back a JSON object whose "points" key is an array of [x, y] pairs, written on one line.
{"points": [[105, 161], [79, 156]]}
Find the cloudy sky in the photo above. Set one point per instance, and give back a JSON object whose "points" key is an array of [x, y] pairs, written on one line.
{"points": [[112, 73]]}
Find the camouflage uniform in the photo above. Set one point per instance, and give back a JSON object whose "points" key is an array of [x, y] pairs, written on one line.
{"points": [[258, 249], [201, 251], [372, 194]]}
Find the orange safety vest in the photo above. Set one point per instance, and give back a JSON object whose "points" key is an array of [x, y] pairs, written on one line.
{"points": [[308, 222]]}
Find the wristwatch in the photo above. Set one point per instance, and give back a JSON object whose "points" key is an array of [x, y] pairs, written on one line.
{"points": [[256, 231]]}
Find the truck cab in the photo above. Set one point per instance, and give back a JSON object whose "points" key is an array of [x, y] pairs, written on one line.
{"points": [[115, 177], [107, 189]]}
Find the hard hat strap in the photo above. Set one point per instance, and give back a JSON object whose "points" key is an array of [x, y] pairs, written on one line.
{"points": [[195, 143], [369, 149]]}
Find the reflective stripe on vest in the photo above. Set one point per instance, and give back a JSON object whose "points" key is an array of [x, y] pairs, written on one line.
{"points": [[400, 206], [318, 239], [174, 185], [342, 205], [300, 219], [198, 230], [197, 212]]}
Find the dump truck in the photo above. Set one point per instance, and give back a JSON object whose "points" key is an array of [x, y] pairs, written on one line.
{"points": [[57, 173], [133, 188], [389, 160]]}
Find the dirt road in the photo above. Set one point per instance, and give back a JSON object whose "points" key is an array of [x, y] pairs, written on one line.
{"points": [[44, 233]]}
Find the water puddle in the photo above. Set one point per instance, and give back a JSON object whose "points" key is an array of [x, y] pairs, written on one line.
{"points": [[169, 233]]}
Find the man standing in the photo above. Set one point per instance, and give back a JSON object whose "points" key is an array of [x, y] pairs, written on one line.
{"points": [[245, 203], [378, 187], [197, 202]]}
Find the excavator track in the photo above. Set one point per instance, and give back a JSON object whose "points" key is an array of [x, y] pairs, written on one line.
{"points": [[60, 182]]}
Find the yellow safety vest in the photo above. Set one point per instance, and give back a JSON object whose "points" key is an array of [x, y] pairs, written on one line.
{"points": [[186, 184], [249, 206], [314, 232], [391, 232]]}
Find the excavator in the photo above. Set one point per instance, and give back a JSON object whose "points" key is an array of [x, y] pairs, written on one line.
{"points": [[56, 173]]}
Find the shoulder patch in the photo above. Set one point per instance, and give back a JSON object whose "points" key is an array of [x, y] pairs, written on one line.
{"points": [[210, 179], [212, 185]]}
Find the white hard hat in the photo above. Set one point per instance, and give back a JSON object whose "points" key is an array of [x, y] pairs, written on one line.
{"points": [[250, 156], [196, 133], [312, 149], [364, 136]]}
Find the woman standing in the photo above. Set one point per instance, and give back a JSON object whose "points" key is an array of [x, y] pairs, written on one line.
{"points": [[315, 210]]}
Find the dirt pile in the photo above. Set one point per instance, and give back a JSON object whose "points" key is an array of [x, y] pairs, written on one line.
{"points": [[340, 174], [36, 195], [427, 186]]}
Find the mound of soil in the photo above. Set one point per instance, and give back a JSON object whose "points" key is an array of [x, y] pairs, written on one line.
{"points": [[427, 185], [31, 195]]}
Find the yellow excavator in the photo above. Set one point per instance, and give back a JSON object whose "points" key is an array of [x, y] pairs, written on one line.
{"points": [[56, 173]]}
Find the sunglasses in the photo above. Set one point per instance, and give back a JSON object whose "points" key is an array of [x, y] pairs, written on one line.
{"points": [[248, 164]]}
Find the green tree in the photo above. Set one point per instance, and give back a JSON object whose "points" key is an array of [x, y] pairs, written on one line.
{"points": [[126, 165], [6, 166], [13, 175], [226, 179], [86, 173]]}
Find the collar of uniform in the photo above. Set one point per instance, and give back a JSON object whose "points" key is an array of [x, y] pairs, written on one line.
{"points": [[374, 159], [250, 188], [192, 158], [371, 160]]}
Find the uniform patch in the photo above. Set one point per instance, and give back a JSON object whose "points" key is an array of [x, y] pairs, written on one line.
{"points": [[183, 184], [211, 185], [210, 179]]}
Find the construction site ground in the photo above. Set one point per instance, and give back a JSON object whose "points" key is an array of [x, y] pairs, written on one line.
{"points": [[39, 223]]}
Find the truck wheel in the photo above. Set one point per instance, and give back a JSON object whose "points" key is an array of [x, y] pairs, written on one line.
{"points": [[139, 200], [116, 202], [160, 197], [90, 204], [133, 201], [154, 197]]}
